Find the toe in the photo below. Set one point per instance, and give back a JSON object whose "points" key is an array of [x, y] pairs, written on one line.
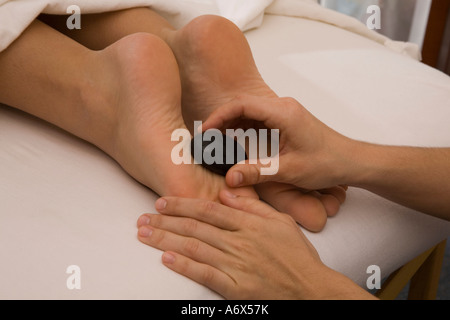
{"points": [[307, 210]]}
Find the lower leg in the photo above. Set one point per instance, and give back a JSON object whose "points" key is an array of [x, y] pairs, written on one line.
{"points": [[52, 77], [125, 99], [216, 64], [98, 31], [215, 60]]}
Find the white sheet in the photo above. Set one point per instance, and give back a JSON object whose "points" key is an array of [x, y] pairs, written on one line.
{"points": [[311, 10], [63, 202], [16, 15]]}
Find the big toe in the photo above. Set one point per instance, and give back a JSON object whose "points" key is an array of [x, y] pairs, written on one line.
{"points": [[309, 211]]}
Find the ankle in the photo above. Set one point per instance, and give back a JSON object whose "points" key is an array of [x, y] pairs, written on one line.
{"points": [[97, 92]]}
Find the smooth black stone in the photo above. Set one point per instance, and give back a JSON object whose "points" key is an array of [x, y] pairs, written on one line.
{"points": [[198, 143]]}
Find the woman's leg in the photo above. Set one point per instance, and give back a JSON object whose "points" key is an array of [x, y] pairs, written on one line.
{"points": [[101, 30], [125, 99], [52, 77], [216, 65]]}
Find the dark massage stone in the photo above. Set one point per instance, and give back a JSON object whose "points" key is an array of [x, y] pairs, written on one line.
{"points": [[201, 149]]}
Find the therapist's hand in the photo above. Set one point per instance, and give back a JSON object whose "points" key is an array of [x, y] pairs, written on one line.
{"points": [[311, 154], [242, 250]]}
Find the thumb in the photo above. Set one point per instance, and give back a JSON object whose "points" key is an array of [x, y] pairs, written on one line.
{"points": [[245, 174]]}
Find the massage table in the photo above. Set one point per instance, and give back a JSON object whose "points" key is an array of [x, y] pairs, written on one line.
{"points": [[64, 203]]}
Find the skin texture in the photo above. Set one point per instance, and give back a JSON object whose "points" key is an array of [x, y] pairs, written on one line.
{"points": [[128, 88], [129, 80], [243, 250], [313, 156]]}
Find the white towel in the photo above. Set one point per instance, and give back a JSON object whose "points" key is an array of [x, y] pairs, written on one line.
{"points": [[246, 14], [16, 15]]}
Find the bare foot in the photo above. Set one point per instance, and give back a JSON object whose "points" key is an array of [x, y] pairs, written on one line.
{"points": [[216, 65], [141, 77]]}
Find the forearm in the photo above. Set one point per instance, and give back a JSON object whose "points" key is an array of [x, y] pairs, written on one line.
{"points": [[327, 284], [335, 286], [418, 178]]}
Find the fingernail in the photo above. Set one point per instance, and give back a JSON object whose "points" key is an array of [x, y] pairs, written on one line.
{"points": [[237, 178], [161, 204], [145, 231], [230, 195], [143, 221], [168, 258]]}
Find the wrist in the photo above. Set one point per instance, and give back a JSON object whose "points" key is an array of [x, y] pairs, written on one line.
{"points": [[341, 153], [327, 284], [353, 166]]}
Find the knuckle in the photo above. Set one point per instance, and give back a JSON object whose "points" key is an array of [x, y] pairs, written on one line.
{"points": [[158, 238], [256, 228], [241, 266], [207, 276], [289, 102], [191, 247], [254, 174], [173, 203], [208, 208], [183, 266], [190, 226], [249, 205], [242, 246], [155, 220]]}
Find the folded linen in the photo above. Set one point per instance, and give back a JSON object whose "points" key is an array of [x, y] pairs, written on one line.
{"points": [[16, 15]]}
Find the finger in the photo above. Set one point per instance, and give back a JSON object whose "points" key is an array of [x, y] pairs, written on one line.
{"points": [[246, 174], [185, 227], [210, 212], [249, 107], [187, 246], [203, 274], [246, 204]]}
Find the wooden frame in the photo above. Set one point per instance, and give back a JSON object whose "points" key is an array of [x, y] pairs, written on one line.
{"points": [[434, 35], [423, 274]]}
